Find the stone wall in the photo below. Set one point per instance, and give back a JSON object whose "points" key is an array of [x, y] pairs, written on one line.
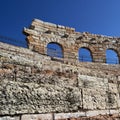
{"points": [[37, 87], [40, 34]]}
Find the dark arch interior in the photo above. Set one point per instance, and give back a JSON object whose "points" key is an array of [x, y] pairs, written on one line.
{"points": [[111, 57], [54, 50], [85, 55]]}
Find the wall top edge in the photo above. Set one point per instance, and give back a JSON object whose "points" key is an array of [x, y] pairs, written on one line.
{"points": [[38, 22]]}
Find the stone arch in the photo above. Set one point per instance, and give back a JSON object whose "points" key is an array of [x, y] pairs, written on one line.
{"points": [[112, 56], [55, 49], [85, 54]]}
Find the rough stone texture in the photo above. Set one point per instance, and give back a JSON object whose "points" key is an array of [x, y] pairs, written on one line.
{"points": [[33, 83], [17, 98], [34, 86]]}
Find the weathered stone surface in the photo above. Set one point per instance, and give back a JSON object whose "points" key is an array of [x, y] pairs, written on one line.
{"points": [[98, 117], [69, 115], [37, 117], [20, 98], [32, 83], [10, 118]]}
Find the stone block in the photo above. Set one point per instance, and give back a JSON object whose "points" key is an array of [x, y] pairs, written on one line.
{"points": [[69, 115], [10, 118], [37, 117], [97, 112]]}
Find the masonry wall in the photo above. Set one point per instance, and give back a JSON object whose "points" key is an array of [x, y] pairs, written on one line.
{"points": [[40, 34], [34, 87]]}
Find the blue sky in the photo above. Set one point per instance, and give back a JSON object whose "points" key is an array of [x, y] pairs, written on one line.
{"points": [[94, 16]]}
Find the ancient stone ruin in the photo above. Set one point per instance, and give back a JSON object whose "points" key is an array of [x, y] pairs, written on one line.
{"points": [[40, 34], [36, 85]]}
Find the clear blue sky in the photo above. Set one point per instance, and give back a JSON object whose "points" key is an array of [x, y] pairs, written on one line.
{"points": [[94, 16]]}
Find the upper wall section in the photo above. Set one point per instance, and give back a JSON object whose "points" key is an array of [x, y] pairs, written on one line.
{"points": [[40, 34]]}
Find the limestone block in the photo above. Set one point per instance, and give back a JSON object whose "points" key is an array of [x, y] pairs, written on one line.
{"points": [[10, 118], [90, 81], [113, 88], [36, 38], [20, 98], [118, 78], [68, 115], [94, 98], [97, 112], [30, 31], [37, 20], [37, 117], [50, 24], [114, 111]]}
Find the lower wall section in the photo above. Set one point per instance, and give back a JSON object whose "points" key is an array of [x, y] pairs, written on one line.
{"points": [[33, 84], [92, 115]]}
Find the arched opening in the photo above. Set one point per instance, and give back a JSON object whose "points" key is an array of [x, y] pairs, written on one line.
{"points": [[85, 55], [111, 57], [54, 50]]}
